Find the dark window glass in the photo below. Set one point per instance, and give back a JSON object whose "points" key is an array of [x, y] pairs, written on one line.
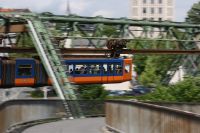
{"points": [[127, 68], [160, 1], [24, 70], [144, 1], [94, 69], [111, 68], [152, 11], [118, 69], [160, 10], [70, 68], [144, 10], [105, 68], [80, 69]]}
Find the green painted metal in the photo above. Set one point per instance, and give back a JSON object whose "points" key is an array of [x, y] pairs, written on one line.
{"points": [[167, 32], [55, 60]]}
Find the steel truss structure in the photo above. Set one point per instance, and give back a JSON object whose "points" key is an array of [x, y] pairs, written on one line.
{"points": [[49, 31]]}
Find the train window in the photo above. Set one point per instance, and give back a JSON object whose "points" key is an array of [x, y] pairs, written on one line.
{"points": [[80, 69], [118, 68], [24, 70], [70, 68], [111, 68], [94, 69], [105, 68], [127, 68]]}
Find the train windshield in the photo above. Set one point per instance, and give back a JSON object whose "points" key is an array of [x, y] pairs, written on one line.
{"points": [[24, 70], [127, 68]]}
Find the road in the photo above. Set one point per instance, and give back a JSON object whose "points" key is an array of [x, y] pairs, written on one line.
{"points": [[89, 125]]}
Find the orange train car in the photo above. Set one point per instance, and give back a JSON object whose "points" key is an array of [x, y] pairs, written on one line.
{"points": [[30, 72]]}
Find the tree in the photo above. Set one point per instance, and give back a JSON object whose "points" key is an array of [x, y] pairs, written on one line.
{"points": [[109, 31], [155, 69], [184, 91], [149, 77], [194, 14], [92, 92]]}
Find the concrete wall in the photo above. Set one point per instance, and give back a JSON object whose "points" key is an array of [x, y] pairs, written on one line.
{"points": [[17, 111], [136, 117]]}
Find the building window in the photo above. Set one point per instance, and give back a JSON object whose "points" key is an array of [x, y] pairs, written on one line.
{"points": [[169, 11], [152, 1], [144, 10], [144, 1], [169, 2], [135, 2], [160, 10], [159, 19], [152, 11], [160, 1], [135, 11]]}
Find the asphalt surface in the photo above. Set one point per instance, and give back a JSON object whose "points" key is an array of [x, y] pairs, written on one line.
{"points": [[89, 125]]}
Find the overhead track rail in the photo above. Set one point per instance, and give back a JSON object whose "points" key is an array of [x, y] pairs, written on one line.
{"points": [[65, 51]]}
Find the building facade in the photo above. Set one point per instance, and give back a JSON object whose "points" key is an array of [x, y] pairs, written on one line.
{"points": [[158, 10]]}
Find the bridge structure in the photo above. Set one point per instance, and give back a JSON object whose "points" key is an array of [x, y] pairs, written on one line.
{"points": [[48, 31]]}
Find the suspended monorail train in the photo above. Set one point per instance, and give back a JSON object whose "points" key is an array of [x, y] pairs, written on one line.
{"points": [[30, 72]]}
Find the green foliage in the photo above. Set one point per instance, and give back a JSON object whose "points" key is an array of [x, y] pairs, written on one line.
{"points": [[154, 69], [149, 77], [139, 62], [109, 31], [194, 14], [92, 92], [25, 41], [37, 94], [184, 91]]}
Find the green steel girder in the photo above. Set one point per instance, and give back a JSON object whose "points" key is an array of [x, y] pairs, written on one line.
{"points": [[183, 35], [147, 28], [111, 21]]}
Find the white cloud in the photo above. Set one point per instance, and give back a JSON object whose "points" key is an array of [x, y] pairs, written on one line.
{"points": [[103, 13]]}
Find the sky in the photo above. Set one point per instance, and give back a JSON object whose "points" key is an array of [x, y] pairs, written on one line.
{"points": [[106, 8]]}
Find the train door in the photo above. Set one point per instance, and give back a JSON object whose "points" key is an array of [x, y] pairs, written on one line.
{"points": [[104, 73], [25, 72], [118, 72], [8, 73], [110, 72], [41, 77], [127, 69], [70, 69], [37, 73]]}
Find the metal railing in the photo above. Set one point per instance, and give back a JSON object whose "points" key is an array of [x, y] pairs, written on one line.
{"points": [[137, 117]]}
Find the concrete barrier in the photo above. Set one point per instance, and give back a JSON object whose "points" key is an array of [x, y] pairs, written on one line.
{"points": [[191, 107], [137, 117], [17, 111]]}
